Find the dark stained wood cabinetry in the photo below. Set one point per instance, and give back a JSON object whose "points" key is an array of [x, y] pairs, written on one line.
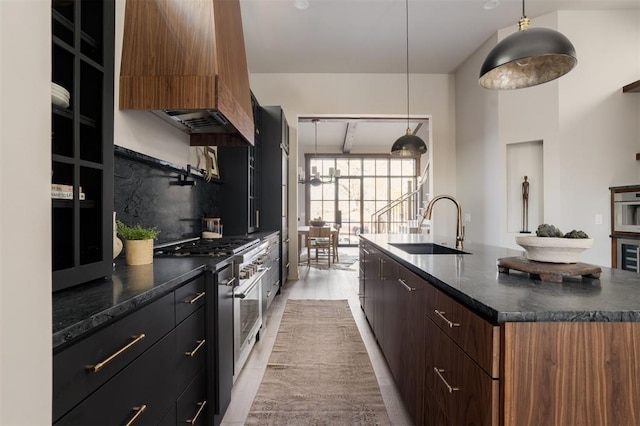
{"points": [[470, 371], [82, 141]]}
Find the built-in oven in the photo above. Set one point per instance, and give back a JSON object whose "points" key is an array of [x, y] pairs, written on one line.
{"points": [[249, 267], [626, 210], [628, 251]]}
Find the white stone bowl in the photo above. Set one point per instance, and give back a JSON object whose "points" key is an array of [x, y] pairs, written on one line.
{"points": [[553, 250]]}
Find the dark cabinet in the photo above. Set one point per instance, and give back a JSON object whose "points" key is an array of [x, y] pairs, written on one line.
{"points": [[274, 138], [146, 366], [240, 172], [219, 313], [82, 141]]}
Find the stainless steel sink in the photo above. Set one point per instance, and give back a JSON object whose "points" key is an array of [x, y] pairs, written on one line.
{"points": [[427, 248]]}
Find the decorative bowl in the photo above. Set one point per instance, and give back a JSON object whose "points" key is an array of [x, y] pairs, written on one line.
{"points": [[553, 250], [318, 222]]}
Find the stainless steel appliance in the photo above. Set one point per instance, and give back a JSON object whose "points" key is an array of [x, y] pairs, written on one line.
{"points": [[626, 210], [248, 255], [249, 267], [628, 254]]}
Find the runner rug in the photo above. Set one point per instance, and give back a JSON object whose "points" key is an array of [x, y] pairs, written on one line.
{"points": [[319, 372]]}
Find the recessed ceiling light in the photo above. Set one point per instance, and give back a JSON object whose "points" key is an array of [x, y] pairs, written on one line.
{"points": [[301, 4], [491, 4]]}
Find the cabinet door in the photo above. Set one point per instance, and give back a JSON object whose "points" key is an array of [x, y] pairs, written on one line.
{"points": [[456, 381], [82, 141], [146, 390], [220, 331], [372, 282], [191, 348]]}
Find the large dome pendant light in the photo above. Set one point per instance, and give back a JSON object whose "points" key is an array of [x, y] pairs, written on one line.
{"points": [[408, 145], [527, 58]]}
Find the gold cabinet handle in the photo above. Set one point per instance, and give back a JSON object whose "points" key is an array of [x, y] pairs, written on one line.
{"points": [[139, 410], [99, 366], [229, 282], [197, 348], [404, 284], [439, 372], [441, 314], [287, 240], [195, 299], [200, 408], [287, 265]]}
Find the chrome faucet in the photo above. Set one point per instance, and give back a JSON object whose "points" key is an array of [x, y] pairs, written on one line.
{"points": [[459, 227]]}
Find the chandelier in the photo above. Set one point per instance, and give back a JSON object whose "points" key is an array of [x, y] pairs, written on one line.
{"points": [[315, 179]]}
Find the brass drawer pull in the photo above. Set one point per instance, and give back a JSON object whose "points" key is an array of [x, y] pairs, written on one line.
{"points": [[100, 365], [287, 265], [403, 282], [195, 418], [193, 352], [229, 282], [449, 323], [439, 372], [195, 299], [139, 410]]}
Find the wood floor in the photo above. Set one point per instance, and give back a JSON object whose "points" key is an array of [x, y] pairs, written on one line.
{"points": [[313, 284]]}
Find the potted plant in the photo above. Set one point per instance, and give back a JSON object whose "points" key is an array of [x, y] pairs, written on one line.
{"points": [[138, 244]]}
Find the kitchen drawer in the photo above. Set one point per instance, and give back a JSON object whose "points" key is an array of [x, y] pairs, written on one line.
{"points": [[192, 405], [189, 298], [112, 347], [169, 419], [191, 348], [466, 394], [148, 382], [477, 337]]}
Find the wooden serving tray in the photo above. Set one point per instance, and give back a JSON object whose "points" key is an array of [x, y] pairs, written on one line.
{"points": [[550, 272]]}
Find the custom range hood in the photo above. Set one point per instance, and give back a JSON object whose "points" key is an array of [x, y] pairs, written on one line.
{"points": [[185, 61]]}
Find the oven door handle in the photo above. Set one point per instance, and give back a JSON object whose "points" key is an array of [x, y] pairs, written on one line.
{"points": [[253, 285]]}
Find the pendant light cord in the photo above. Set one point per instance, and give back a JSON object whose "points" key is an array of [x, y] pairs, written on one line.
{"points": [[523, 12], [407, 27]]}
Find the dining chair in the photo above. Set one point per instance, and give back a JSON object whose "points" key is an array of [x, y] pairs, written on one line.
{"points": [[320, 240]]}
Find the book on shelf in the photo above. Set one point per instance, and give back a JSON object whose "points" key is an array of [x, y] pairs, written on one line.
{"points": [[65, 195], [61, 187]]}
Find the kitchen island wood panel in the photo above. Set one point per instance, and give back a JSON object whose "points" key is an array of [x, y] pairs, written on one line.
{"points": [[566, 373], [509, 349]]}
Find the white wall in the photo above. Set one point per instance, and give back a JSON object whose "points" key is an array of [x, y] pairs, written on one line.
{"points": [[25, 213], [308, 94], [588, 127]]}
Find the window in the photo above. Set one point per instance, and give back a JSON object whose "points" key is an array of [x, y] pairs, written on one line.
{"points": [[366, 185]]}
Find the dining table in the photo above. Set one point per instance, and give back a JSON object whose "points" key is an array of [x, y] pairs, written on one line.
{"points": [[303, 231]]}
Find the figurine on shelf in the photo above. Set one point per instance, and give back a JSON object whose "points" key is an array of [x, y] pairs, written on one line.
{"points": [[525, 206]]}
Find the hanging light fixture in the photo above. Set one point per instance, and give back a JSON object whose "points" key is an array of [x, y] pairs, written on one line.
{"points": [[408, 145], [527, 58], [316, 179]]}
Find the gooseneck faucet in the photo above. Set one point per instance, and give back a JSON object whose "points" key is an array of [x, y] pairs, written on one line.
{"points": [[459, 228]]}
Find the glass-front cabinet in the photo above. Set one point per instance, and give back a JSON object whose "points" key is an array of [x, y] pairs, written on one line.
{"points": [[81, 140]]}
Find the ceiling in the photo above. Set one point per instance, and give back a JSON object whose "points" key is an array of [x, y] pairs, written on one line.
{"points": [[369, 36]]}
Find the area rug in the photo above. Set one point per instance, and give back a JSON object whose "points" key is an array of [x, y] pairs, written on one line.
{"points": [[346, 263], [319, 372]]}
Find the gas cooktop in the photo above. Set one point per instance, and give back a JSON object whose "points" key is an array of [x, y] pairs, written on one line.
{"points": [[214, 247]]}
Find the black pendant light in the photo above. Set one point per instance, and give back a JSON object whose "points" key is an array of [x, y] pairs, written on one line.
{"points": [[527, 58], [408, 145]]}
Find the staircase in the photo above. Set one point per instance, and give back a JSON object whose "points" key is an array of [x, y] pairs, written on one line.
{"points": [[399, 216]]}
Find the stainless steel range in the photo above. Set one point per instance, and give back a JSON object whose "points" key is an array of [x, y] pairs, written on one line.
{"points": [[247, 307], [248, 255]]}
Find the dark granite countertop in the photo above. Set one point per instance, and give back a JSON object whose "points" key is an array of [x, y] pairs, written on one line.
{"points": [[79, 309], [473, 280]]}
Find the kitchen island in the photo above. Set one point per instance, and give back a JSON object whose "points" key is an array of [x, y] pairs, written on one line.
{"points": [[484, 347]]}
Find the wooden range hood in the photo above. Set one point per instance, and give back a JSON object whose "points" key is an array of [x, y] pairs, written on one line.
{"points": [[185, 61]]}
